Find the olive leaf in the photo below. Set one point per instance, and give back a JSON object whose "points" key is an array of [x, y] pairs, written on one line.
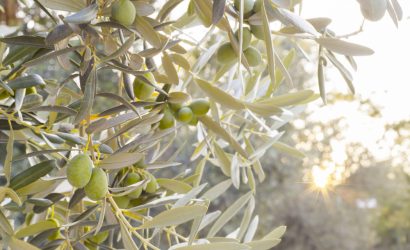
{"points": [[88, 98], [268, 41], [30, 41], [35, 228], [26, 82], [32, 174], [218, 10], [74, 5], [175, 216], [229, 213], [174, 185], [219, 95], [85, 15], [217, 129], [147, 31], [343, 47]]}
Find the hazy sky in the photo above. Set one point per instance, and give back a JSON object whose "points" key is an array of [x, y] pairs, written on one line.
{"points": [[383, 77]]}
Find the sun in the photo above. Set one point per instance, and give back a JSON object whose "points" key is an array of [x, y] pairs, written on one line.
{"points": [[321, 180], [320, 177]]}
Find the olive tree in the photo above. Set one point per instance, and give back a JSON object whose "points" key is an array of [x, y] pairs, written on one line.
{"points": [[94, 178]]}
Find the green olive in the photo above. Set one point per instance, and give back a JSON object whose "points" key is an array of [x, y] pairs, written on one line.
{"points": [[200, 107], [373, 10], [79, 170], [247, 5], [185, 114], [122, 201], [124, 12], [152, 185], [100, 237], [143, 90], [97, 187], [133, 178], [257, 31], [167, 121], [225, 54], [175, 106], [253, 56], [246, 37], [257, 6]]}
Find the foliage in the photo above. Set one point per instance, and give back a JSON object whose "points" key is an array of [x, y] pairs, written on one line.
{"points": [[162, 75]]}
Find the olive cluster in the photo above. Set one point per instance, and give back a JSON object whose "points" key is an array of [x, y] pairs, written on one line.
{"points": [[184, 113], [133, 198], [81, 173], [226, 54]]}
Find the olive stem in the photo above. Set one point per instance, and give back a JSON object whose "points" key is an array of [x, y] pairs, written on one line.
{"points": [[121, 217]]}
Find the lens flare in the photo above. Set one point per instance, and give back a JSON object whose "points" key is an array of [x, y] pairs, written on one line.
{"points": [[321, 177]]}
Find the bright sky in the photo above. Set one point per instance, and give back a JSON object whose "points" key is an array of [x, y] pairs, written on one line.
{"points": [[383, 77]]}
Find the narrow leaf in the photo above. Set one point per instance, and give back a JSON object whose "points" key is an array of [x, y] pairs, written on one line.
{"points": [[343, 47], [219, 95], [85, 15], [175, 216], [32, 174], [229, 213], [221, 132], [218, 10], [268, 41]]}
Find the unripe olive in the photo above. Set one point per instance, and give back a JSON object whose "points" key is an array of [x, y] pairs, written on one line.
{"points": [[200, 107], [257, 31], [79, 170], [253, 56], [225, 54], [152, 185], [373, 10], [247, 5], [142, 90], [124, 12], [122, 201], [185, 114], [175, 106], [167, 120], [257, 6], [246, 37], [133, 178], [97, 187], [100, 237]]}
